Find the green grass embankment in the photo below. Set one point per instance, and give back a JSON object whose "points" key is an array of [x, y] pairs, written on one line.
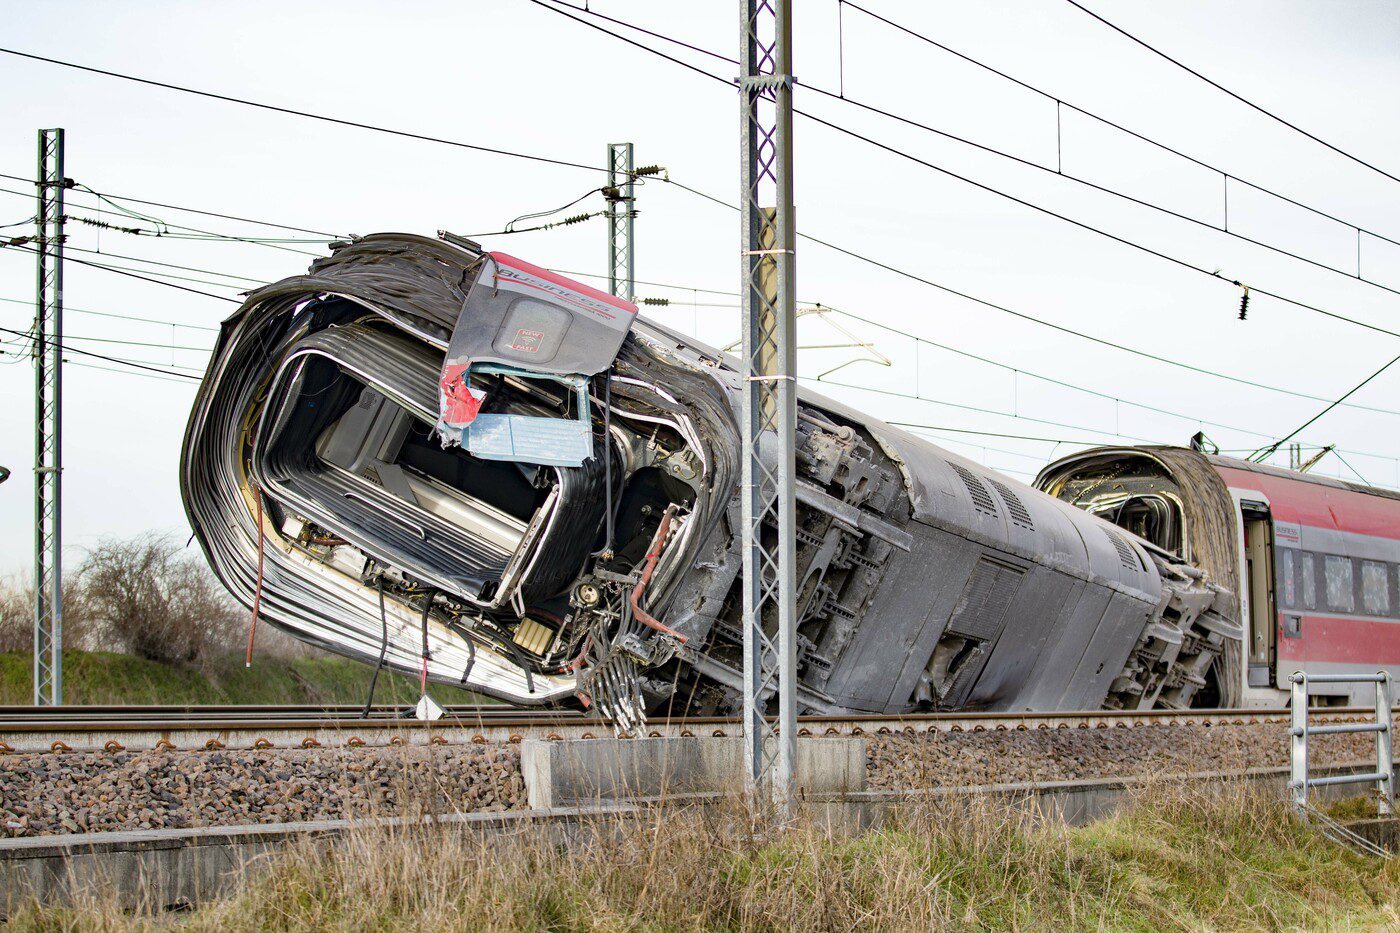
{"points": [[109, 679]]}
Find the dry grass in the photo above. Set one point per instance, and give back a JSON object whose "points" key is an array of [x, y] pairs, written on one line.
{"points": [[1227, 858]]}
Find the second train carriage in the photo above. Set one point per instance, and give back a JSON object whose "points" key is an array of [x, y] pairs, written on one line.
{"points": [[1315, 560]]}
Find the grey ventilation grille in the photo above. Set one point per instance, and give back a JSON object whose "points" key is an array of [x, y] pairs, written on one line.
{"points": [[1014, 506], [1125, 550], [982, 500], [981, 611]]}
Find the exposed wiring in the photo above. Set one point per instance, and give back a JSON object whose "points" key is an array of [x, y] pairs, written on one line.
{"points": [[427, 608], [383, 650]]}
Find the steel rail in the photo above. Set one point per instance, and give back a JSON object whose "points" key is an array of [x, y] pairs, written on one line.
{"points": [[197, 728], [9, 714]]}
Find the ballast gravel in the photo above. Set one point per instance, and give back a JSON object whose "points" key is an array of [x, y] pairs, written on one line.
{"points": [[901, 761], [42, 794], [92, 792]]}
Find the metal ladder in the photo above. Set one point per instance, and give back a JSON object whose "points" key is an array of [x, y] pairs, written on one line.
{"points": [[1300, 729]]}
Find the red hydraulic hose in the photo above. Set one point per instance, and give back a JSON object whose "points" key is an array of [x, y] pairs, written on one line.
{"points": [[637, 591]]}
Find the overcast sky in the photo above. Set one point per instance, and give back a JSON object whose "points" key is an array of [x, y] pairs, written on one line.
{"points": [[508, 74]]}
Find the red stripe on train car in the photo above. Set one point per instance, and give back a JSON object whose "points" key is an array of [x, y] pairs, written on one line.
{"points": [[1343, 641], [1320, 505]]}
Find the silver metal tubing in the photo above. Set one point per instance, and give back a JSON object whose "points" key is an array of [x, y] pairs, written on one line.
{"points": [[1348, 727], [1366, 778], [1301, 677]]}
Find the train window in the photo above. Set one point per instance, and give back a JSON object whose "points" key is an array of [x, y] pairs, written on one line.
{"points": [[1290, 588], [1307, 573], [1340, 594], [1375, 588]]}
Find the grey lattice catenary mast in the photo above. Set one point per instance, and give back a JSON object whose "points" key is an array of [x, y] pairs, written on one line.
{"points": [[48, 437], [770, 393]]}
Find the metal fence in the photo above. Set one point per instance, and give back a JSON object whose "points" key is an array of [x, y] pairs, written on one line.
{"points": [[1300, 730]]}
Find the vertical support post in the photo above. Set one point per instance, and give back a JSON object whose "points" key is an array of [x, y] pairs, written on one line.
{"points": [[622, 212], [1385, 756], [48, 423], [1298, 741], [768, 277]]}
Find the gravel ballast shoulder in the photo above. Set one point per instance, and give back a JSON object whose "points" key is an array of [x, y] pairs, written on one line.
{"points": [[903, 761], [82, 792], [76, 792]]}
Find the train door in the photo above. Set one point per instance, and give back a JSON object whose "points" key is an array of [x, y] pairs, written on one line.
{"points": [[1261, 648]]}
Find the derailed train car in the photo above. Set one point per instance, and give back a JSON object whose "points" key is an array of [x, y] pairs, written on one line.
{"points": [[458, 464], [1315, 561]]}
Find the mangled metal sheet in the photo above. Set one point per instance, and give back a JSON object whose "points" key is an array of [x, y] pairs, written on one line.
{"points": [[575, 540], [519, 315]]}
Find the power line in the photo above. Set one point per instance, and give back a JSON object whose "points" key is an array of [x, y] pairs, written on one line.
{"points": [[1244, 100], [566, 222], [106, 369], [121, 317], [168, 265], [270, 243], [305, 113], [1020, 371], [139, 343], [1056, 170], [112, 267], [1275, 446], [1090, 227], [1050, 379], [976, 408], [133, 275], [102, 356], [193, 210], [1006, 414], [205, 235], [1006, 310], [1016, 437], [1353, 469], [1060, 102], [127, 372], [985, 187]]}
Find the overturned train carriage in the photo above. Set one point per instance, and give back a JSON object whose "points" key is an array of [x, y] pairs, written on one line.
{"points": [[444, 460]]}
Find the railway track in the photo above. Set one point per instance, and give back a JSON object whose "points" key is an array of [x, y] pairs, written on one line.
{"points": [[114, 728]]}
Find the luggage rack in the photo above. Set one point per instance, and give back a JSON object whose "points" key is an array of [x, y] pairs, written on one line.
{"points": [[1300, 729]]}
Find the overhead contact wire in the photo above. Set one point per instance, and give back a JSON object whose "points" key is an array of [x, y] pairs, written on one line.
{"points": [[1242, 99]]}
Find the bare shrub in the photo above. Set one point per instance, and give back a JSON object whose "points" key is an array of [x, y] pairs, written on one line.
{"points": [[147, 596], [160, 603], [17, 615]]}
